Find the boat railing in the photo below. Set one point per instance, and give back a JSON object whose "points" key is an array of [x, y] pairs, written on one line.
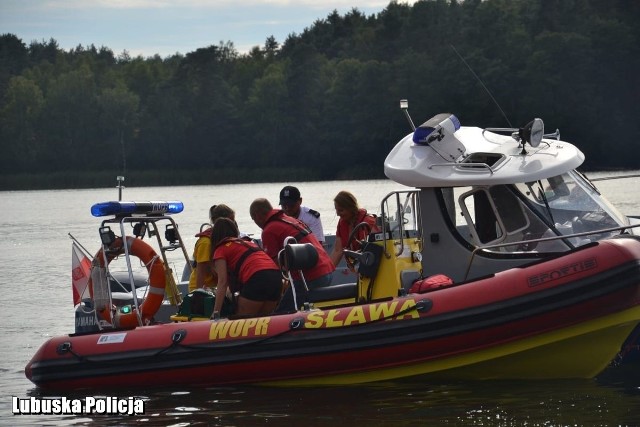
{"points": [[401, 210], [470, 166], [150, 227], [477, 249]]}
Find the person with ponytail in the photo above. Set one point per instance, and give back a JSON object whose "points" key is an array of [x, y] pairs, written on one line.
{"points": [[351, 215], [202, 274], [243, 268]]}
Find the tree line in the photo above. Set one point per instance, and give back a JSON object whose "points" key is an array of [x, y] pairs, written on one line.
{"points": [[323, 104]]}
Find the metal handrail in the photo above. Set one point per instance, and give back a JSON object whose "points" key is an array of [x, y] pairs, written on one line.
{"points": [[384, 224], [464, 165], [127, 257], [543, 239], [173, 293]]}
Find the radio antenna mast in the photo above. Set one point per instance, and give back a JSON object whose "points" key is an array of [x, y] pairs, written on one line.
{"points": [[485, 88]]}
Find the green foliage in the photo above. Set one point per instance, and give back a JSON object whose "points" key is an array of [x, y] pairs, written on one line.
{"points": [[322, 104]]}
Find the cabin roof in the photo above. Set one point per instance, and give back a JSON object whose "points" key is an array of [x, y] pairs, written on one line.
{"points": [[488, 159]]}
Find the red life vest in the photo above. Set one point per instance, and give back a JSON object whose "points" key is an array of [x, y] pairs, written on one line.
{"points": [[234, 275]]}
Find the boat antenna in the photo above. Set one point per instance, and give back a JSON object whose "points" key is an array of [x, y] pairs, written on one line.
{"points": [[485, 88], [119, 186]]}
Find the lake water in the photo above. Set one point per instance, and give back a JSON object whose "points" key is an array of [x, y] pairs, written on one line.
{"points": [[35, 260]]}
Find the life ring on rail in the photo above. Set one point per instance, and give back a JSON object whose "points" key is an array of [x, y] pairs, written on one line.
{"points": [[157, 281]]}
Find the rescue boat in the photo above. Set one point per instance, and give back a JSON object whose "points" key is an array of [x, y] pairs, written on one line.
{"points": [[503, 262]]}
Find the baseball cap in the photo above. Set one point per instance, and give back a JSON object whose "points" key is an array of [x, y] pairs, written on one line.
{"points": [[289, 194]]}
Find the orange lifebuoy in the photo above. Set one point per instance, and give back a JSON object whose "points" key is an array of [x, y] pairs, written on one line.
{"points": [[157, 281]]}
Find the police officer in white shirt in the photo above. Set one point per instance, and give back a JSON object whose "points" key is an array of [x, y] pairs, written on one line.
{"points": [[291, 201]]}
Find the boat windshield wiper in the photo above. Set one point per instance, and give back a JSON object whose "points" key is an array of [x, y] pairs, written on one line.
{"points": [[543, 197]]}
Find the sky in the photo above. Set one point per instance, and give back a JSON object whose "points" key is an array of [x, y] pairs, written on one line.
{"points": [[167, 27]]}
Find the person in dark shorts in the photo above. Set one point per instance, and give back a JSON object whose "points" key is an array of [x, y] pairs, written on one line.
{"points": [[242, 266], [276, 227]]}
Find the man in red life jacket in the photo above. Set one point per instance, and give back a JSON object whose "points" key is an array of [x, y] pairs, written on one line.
{"points": [[276, 227]]}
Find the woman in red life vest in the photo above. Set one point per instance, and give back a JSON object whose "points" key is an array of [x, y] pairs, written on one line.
{"points": [[243, 267], [202, 274], [350, 214]]}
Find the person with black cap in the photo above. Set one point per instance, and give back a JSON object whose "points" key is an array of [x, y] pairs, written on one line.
{"points": [[291, 204]]}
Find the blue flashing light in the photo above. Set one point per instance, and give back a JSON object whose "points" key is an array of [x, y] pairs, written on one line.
{"points": [[435, 128], [140, 208]]}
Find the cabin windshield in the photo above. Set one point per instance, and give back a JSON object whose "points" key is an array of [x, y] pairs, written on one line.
{"points": [[521, 214], [573, 205]]}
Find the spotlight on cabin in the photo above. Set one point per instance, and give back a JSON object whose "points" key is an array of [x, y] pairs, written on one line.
{"points": [[532, 132]]}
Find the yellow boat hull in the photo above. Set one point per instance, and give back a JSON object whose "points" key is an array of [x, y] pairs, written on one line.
{"points": [[564, 353]]}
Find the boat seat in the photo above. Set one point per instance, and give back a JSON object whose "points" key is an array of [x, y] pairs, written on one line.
{"points": [[334, 292], [296, 256], [119, 281], [300, 256]]}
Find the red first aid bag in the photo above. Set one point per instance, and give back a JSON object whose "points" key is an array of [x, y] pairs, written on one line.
{"points": [[430, 283]]}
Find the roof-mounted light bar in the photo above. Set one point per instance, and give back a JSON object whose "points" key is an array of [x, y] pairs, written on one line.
{"points": [[136, 208], [436, 128]]}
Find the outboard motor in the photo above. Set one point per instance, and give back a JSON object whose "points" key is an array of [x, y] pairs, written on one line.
{"points": [[86, 321]]}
